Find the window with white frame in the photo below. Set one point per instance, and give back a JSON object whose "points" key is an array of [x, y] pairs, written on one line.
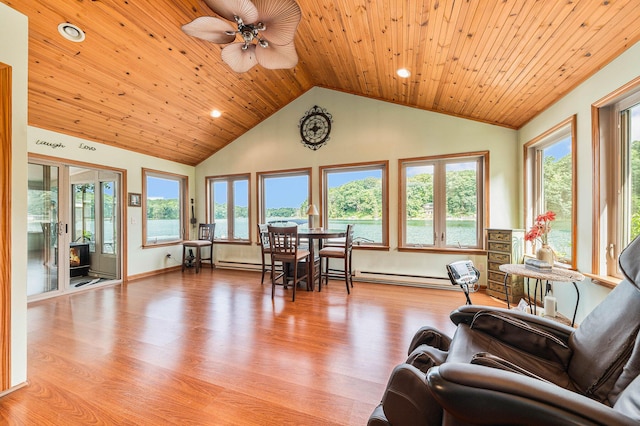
{"points": [[284, 196], [616, 177], [357, 194], [228, 206], [164, 207], [550, 185], [443, 201]]}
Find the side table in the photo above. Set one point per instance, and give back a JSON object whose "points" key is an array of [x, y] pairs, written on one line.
{"points": [[555, 274]]}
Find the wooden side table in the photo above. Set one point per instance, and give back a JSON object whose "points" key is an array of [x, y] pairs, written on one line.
{"points": [[555, 274]]}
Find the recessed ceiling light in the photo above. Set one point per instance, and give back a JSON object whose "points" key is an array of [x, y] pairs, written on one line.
{"points": [[215, 113], [403, 72], [71, 32]]}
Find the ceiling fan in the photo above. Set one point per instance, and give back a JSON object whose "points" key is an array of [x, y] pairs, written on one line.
{"points": [[270, 23]]}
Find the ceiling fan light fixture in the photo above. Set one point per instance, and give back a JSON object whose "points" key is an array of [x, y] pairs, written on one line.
{"points": [[270, 24], [403, 73], [71, 32]]}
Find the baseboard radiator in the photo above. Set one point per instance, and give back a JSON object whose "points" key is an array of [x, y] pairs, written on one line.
{"points": [[242, 266], [425, 281], [441, 283]]}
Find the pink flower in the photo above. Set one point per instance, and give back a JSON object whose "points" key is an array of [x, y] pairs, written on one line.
{"points": [[541, 228]]}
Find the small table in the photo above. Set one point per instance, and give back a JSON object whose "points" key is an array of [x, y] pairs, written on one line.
{"points": [[318, 234], [555, 274]]}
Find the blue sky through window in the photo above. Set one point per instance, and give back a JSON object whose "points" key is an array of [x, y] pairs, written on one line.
{"points": [[559, 149], [240, 191], [286, 191], [162, 188], [635, 121]]}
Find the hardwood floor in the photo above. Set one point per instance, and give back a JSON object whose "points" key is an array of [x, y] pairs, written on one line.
{"points": [[213, 348]]}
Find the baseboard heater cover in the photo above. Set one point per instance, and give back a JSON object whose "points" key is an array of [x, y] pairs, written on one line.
{"points": [[425, 281], [405, 279], [244, 266]]}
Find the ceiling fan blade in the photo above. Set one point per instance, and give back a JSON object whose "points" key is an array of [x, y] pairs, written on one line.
{"points": [[277, 57], [228, 8], [281, 18], [210, 29], [240, 60]]}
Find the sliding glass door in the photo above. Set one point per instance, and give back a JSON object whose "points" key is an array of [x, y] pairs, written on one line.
{"points": [[44, 228], [74, 228]]}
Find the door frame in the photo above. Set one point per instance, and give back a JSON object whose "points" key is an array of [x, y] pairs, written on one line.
{"points": [[5, 225], [33, 157]]}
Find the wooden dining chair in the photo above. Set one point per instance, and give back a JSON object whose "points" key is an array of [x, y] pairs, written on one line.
{"points": [[338, 252], [283, 241], [265, 249], [205, 239]]}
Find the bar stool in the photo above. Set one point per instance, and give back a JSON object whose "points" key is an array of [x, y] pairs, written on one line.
{"points": [[338, 252]]}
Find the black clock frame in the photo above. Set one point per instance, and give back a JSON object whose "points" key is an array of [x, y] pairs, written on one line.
{"points": [[315, 137]]}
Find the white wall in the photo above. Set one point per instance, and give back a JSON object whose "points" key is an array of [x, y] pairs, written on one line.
{"points": [[14, 40], [369, 130], [622, 70], [139, 260]]}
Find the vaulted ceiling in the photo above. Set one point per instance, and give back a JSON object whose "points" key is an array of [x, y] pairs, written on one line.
{"points": [[138, 82]]}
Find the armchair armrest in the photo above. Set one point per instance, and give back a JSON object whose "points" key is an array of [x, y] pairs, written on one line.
{"points": [[407, 400], [481, 395], [465, 314], [523, 335]]}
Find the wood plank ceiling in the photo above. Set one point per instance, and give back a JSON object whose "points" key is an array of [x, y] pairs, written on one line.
{"points": [[139, 83]]}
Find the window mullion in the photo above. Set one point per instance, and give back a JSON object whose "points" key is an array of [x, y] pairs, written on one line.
{"points": [[439, 203], [231, 233], [538, 195]]}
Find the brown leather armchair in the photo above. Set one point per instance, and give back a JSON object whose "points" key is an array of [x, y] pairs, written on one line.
{"points": [[505, 367]]}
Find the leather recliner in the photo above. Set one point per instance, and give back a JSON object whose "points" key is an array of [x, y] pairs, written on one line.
{"points": [[507, 367]]}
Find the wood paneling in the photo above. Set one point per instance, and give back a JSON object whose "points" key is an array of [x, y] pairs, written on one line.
{"points": [[5, 225], [139, 83], [214, 349]]}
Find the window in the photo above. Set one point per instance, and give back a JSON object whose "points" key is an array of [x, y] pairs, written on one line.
{"points": [[357, 194], [443, 201], [630, 168], [550, 185], [284, 196], [164, 207], [616, 121], [228, 197], [84, 214], [109, 217]]}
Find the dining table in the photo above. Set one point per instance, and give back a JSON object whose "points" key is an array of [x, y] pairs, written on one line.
{"points": [[319, 234]]}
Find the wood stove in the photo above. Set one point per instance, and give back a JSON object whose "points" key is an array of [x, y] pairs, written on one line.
{"points": [[79, 261]]}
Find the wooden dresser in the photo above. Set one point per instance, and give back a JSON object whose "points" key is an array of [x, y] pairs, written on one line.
{"points": [[504, 246]]}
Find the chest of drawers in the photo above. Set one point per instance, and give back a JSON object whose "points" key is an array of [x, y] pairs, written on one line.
{"points": [[504, 246]]}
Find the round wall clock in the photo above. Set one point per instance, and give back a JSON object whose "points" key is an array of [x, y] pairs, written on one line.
{"points": [[315, 126]]}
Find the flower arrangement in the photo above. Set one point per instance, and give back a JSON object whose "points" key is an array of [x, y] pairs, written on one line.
{"points": [[541, 228]]}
